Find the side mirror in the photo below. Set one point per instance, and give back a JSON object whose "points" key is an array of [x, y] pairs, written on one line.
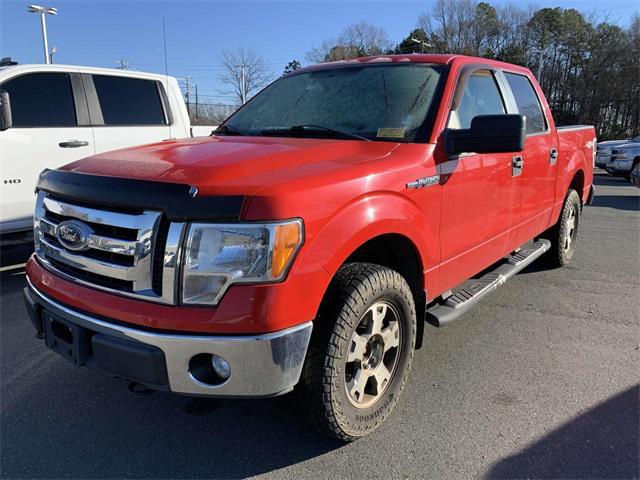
{"points": [[488, 134], [5, 111]]}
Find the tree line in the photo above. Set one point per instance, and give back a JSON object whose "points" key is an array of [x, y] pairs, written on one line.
{"points": [[588, 69]]}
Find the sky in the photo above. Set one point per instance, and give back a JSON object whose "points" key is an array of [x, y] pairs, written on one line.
{"points": [[98, 33]]}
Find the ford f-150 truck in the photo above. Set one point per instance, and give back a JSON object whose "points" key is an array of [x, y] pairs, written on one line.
{"points": [[305, 244]]}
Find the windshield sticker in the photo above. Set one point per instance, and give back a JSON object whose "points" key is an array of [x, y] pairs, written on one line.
{"points": [[391, 133]]}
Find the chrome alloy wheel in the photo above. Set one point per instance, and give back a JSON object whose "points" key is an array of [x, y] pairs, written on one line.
{"points": [[570, 228], [373, 354]]}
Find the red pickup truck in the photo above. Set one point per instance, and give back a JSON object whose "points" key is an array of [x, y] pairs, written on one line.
{"points": [[304, 245]]}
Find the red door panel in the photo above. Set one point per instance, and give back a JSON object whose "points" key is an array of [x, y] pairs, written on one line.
{"points": [[538, 185], [480, 209]]}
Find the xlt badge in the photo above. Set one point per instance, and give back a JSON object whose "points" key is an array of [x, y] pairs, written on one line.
{"points": [[424, 182]]}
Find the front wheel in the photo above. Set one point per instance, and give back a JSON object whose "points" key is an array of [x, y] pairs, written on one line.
{"points": [[635, 174], [564, 234], [360, 352], [634, 170]]}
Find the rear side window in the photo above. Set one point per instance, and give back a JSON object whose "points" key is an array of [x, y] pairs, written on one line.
{"points": [[527, 102], [41, 100], [129, 101]]}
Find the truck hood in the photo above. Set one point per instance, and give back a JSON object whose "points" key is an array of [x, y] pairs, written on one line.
{"points": [[232, 165], [612, 143], [627, 146]]}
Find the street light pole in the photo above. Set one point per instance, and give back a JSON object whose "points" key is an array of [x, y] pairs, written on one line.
{"points": [[421, 43], [122, 64], [47, 57], [243, 83], [244, 87], [43, 11]]}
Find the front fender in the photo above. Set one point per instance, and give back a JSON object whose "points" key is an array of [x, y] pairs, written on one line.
{"points": [[363, 219], [370, 217]]}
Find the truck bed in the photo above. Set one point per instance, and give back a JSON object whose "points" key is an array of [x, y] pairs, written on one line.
{"points": [[575, 141]]}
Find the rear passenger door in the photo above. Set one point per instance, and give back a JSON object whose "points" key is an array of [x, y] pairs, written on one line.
{"points": [[540, 158], [50, 128], [126, 111]]}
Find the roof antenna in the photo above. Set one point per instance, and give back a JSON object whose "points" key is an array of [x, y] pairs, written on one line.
{"points": [[166, 69]]}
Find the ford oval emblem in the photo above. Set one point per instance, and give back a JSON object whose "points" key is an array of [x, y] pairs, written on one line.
{"points": [[73, 235]]}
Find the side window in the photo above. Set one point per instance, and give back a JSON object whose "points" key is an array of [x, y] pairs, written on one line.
{"points": [[481, 97], [527, 102], [129, 101], [41, 100]]}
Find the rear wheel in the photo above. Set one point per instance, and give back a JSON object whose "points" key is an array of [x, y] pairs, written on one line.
{"points": [[360, 352], [564, 234]]}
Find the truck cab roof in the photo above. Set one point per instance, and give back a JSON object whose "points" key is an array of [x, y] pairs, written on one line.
{"points": [[442, 59], [11, 70]]}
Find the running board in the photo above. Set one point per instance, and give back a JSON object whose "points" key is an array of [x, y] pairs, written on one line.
{"points": [[475, 289]]}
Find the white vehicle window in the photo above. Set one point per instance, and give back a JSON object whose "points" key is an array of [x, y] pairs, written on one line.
{"points": [[41, 100], [527, 102], [129, 101]]}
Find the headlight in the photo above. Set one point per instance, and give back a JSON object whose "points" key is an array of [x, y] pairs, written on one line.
{"points": [[219, 255], [621, 156]]}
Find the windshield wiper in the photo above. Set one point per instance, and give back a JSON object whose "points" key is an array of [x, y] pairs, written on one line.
{"points": [[227, 130], [314, 128]]}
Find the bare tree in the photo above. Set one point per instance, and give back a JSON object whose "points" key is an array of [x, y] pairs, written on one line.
{"points": [[245, 72], [451, 25], [322, 52], [367, 38], [357, 40]]}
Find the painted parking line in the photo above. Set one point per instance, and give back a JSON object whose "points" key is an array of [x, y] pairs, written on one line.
{"points": [[12, 267]]}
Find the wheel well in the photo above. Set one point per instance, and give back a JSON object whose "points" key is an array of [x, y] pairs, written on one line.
{"points": [[577, 183], [400, 254]]}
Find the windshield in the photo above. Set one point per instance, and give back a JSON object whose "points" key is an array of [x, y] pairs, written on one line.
{"points": [[381, 102]]}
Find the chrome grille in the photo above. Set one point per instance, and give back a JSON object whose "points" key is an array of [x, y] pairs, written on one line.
{"points": [[132, 253]]}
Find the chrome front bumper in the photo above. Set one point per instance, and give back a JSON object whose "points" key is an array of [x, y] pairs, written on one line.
{"points": [[261, 365]]}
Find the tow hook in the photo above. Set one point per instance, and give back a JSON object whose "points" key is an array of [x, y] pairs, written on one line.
{"points": [[139, 390]]}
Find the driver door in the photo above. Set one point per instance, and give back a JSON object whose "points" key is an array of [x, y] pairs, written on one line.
{"points": [[480, 192]]}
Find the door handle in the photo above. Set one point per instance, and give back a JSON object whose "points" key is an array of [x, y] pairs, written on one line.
{"points": [[517, 163], [553, 156], [73, 144]]}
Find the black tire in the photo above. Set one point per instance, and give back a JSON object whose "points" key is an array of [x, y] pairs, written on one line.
{"points": [[322, 391], [629, 175], [635, 172], [564, 234]]}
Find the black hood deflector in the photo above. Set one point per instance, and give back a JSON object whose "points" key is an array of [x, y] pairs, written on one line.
{"points": [[179, 202]]}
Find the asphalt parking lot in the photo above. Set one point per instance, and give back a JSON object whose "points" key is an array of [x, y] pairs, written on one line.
{"points": [[540, 381]]}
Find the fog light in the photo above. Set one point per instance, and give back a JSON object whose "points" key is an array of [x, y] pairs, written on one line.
{"points": [[209, 369], [221, 367]]}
